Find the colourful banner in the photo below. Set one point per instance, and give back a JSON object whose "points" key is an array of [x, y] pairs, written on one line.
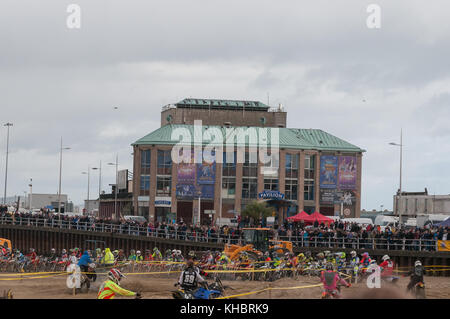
{"points": [[206, 173], [347, 172], [328, 171], [207, 191], [186, 191], [443, 245], [186, 173]]}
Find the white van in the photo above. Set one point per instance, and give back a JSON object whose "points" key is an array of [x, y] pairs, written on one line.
{"points": [[436, 218], [360, 221], [232, 222], [386, 221], [139, 219]]}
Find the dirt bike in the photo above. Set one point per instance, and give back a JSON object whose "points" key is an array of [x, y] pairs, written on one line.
{"points": [[212, 291], [86, 279], [332, 294], [419, 290]]}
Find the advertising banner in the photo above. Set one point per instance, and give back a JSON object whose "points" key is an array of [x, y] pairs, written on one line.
{"points": [[267, 194], [206, 173], [207, 191], [328, 171], [347, 172], [186, 173], [327, 196], [443, 245], [186, 191]]}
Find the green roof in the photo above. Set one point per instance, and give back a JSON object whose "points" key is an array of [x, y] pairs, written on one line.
{"points": [[308, 139], [193, 102]]}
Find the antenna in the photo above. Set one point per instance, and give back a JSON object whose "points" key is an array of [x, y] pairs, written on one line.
{"points": [[268, 99]]}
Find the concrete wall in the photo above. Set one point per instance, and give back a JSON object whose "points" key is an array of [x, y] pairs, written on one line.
{"points": [[412, 205]]}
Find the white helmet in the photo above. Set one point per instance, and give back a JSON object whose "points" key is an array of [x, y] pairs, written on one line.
{"points": [[417, 263], [353, 253], [385, 257], [373, 262], [178, 252], [138, 252]]}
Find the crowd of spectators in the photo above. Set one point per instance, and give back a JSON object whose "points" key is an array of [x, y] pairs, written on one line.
{"points": [[338, 234]]}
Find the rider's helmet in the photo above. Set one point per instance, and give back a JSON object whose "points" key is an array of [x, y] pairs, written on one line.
{"points": [[115, 275], [385, 257], [353, 253], [138, 252], [155, 249], [329, 266], [191, 253], [417, 263], [366, 254], [301, 255], [373, 262], [132, 251], [326, 253], [190, 261], [53, 250], [64, 251], [343, 255], [32, 250], [308, 254], [320, 256]]}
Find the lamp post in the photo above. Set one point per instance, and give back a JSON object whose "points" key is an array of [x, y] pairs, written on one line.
{"points": [[99, 168], [399, 212], [31, 194], [117, 186], [60, 173], [8, 125], [88, 192]]}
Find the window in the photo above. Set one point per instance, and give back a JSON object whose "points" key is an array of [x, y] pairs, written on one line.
{"points": [[145, 185], [250, 169], [164, 162], [292, 165], [249, 187], [309, 190], [271, 184], [145, 162], [228, 169], [228, 187], [309, 167], [291, 189], [163, 185]]}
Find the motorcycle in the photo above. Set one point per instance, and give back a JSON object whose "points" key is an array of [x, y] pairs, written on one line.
{"points": [[419, 290], [87, 278], [212, 291]]}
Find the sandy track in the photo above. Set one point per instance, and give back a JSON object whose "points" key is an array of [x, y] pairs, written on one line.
{"points": [[160, 287]]}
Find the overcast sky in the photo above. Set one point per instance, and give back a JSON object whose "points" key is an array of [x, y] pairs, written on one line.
{"points": [[318, 58]]}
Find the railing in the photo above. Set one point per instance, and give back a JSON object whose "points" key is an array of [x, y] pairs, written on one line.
{"points": [[194, 236]]}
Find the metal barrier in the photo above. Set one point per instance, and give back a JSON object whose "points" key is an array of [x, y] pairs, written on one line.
{"points": [[300, 241]]}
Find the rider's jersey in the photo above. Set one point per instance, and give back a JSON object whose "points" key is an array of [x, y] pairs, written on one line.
{"points": [[330, 280], [109, 289], [388, 268], [157, 255], [190, 278]]}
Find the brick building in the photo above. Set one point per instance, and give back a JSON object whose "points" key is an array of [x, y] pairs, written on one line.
{"points": [[308, 169]]}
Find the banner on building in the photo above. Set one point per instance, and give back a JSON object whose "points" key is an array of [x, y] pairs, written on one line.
{"points": [[186, 191], [206, 173], [186, 173], [443, 245], [268, 194], [122, 179], [328, 171], [206, 191], [347, 172], [327, 196]]}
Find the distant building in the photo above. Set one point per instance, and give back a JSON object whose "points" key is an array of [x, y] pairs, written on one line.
{"points": [[315, 171], [412, 204], [124, 204], [50, 201]]}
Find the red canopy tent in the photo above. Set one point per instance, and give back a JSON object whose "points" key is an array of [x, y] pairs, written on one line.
{"points": [[320, 218], [299, 217]]}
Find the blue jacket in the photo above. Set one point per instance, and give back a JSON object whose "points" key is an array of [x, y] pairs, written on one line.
{"points": [[85, 260]]}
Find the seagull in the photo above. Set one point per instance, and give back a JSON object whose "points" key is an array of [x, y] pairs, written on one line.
{"points": [[115, 107]]}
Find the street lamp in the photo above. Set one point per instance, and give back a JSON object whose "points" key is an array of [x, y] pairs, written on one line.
{"points": [[117, 186], [60, 172], [8, 125], [400, 189], [88, 192], [30, 199]]}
